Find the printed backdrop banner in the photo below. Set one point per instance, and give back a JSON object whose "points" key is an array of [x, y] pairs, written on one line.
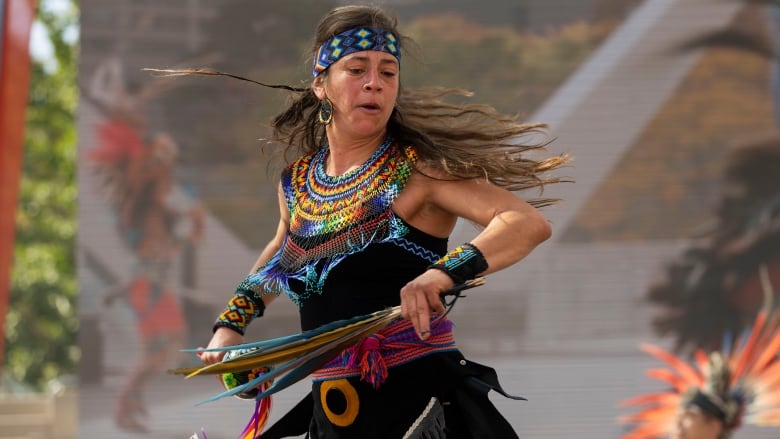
{"points": [[662, 238]]}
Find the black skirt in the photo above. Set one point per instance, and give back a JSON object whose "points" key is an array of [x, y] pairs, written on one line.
{"points": [[351, 408]]}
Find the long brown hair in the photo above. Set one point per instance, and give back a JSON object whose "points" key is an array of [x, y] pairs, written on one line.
{"points": [[462, 140]]}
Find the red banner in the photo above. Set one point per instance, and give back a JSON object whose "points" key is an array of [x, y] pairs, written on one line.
{"points": [[17, 17]]}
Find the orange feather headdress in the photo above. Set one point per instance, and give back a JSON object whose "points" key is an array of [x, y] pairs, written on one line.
{"points": [[741, 384]]}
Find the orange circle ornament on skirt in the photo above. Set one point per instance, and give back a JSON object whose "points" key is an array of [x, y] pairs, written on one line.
{"points": [[345, 417]]}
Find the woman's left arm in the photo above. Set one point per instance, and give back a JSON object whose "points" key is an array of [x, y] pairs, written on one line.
{"points": [[512, 228]]}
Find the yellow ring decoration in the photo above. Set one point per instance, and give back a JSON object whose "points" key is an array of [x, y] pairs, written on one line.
{"points": [[350, 395]]}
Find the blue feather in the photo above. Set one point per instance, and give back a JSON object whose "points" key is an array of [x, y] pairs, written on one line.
{"points": [[320, 351], [263, 346], [303, 366]]}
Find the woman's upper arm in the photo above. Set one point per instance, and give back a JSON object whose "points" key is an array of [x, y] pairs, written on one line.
{"points": [[477, 200], [512, 228]]}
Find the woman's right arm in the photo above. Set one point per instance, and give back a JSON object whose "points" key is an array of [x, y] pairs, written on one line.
{"points": [[225, 336]]}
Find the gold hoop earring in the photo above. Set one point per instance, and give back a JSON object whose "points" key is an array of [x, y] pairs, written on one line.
{"points": [[325, 114]]}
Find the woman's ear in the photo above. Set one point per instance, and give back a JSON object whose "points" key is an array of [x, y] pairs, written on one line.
{"points": [[318, 87]]}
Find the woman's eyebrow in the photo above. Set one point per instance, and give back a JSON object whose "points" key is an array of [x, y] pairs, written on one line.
{"points": [[382, 61]]}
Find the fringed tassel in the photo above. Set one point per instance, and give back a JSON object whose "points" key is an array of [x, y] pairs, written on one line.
{"points": [[258, 420], [373, 368]]}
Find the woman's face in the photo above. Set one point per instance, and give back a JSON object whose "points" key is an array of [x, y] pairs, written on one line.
{"points": [[692, 423], [363, 88]]}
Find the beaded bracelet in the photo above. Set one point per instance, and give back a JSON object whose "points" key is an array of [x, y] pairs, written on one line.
{"points": [[462, 263], [240, 311]]}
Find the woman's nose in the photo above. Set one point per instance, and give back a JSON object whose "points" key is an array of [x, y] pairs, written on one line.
{"points": [[372, 82]]}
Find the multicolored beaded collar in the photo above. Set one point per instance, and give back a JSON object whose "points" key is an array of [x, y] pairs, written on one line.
{"points": [[334, 217], [355, 40]]}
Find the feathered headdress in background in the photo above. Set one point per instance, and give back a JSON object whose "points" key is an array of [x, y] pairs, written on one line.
{"points": [[739, 385], [713, 287]]}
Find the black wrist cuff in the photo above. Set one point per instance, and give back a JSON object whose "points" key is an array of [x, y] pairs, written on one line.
{"points": [[462, 264]]}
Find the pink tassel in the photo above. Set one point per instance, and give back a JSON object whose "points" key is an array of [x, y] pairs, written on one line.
{"points": [[373, 369]]}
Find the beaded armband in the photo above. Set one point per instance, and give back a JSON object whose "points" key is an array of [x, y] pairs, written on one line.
{"points": [[462, 264], [241, 310]]}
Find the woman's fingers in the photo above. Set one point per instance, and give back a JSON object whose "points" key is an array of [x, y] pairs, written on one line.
{"points": [[421, 297], [222, 337], [211, 357], [422, 321]]}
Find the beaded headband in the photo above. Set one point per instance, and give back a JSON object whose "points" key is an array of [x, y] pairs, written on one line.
{"points": [[355, 40]]}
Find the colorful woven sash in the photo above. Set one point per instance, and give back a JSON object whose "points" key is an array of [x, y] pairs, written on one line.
{"points": [[395, 345]]}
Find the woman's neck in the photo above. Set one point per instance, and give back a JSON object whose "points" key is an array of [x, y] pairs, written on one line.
{"points": [[347, 155]]}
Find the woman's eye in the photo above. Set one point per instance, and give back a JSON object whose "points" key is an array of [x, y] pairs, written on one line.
{"points": [[356, 71], [389, 73]]}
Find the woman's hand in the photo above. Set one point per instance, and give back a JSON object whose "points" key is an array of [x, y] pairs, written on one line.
{"points": [[422, 297], [222, 337]]}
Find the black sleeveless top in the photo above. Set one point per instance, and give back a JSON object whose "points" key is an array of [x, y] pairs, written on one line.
{"points": [[346, 253], [368, 281]]}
